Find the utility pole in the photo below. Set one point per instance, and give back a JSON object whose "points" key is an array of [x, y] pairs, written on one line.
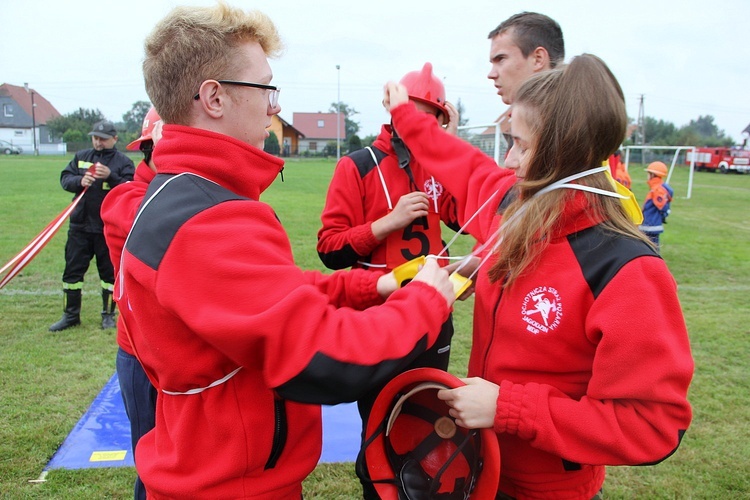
{"points": [[338, 114], [33, 117], [641, 123]]}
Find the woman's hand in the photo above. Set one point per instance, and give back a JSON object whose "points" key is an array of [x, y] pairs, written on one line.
{"points": [[473, 405]]}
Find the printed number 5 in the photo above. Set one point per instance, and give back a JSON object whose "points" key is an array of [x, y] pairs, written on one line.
{"points": [[411, 234]]}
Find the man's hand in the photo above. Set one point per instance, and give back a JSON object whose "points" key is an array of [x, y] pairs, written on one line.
{"points": [[437, 277], [87, 179], [101, 171], [395, 95], [453, 118], [409, 207]]}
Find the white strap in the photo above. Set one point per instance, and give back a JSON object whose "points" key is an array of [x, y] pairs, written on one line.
{"points": [[461, 229], [198, 390], [382, 179]]}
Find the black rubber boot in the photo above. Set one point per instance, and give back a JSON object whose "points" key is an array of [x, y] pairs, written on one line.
{"points": [[108, 310], [71, 312]]}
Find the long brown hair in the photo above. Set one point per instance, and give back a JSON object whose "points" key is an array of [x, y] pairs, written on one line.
{"points": [[576, 116]]}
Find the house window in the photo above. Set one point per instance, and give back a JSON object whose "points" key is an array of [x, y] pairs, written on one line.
{"points": [[18, 133], [321, 123], [313, 146], [8, 109]]}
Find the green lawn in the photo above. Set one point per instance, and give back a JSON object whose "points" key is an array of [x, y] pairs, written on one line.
{"points": [[48, 380]]}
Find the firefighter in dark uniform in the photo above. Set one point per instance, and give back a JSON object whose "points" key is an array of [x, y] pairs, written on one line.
{"points": [[99, 169]]}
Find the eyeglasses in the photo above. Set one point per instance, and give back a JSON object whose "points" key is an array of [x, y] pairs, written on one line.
{"points": [[273, 94]]}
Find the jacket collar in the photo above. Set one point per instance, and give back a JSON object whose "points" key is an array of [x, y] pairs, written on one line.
{"points": [[235, 165]]}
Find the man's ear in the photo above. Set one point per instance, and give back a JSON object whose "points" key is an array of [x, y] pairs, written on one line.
{"points": [[541, 59], [211, 98]]}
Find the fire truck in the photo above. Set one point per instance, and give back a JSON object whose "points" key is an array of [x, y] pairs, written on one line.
{"points": [[720, 159]]}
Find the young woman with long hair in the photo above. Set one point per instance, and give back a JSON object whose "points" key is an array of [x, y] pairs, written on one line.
{"points": [[580, 356]]}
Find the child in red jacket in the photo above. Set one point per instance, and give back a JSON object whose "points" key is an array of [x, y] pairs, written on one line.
{"points": [[383, 209]]}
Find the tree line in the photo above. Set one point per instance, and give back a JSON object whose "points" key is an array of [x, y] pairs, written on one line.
{"points": [[74, 127], [700, 132]]}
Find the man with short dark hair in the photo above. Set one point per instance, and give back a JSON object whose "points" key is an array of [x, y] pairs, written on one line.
{"points": [[97, 170], [524, 44]]}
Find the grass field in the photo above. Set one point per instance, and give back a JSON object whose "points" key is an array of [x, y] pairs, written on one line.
{"points": [[47, 381]]}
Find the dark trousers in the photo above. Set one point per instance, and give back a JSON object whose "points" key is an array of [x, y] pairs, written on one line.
{"points": [[437, 356], [139, 397], [80, 248], [654, 237]]}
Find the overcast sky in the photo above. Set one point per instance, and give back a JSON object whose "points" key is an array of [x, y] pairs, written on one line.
{"points": [[687, 58]]}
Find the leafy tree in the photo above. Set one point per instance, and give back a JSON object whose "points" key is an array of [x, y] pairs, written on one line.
{"points": [[133, 119], [659, 133], [700, 132], [351, 127], [73, 135], [708, 133], [330, 149], [354, 144], [271, 145], [82, 120], [368, 140], [462, 119]]}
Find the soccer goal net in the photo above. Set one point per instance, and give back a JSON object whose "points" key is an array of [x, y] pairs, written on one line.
{"points": [[652, 153], [487, 138]]}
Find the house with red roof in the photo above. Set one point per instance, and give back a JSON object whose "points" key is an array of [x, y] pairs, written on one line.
{"points": [[24, 114], [319, 129], [288, 136]]}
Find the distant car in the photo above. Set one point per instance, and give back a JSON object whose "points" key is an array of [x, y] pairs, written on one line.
{"points": [[9, 149]]}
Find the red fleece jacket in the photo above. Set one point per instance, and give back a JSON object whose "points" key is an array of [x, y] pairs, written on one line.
{"points": [[118, 211], [356, 198], [231, 331], [589, 347]]}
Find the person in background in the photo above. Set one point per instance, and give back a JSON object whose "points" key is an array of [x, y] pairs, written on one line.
{"points": [[522, 45], [383, 210], [241, 344], [569, 378], [618, 170], [658, 202], [118, 212], [99, 169]]}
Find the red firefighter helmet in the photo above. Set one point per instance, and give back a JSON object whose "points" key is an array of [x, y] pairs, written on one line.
{"points": [[149, 122], [414, 449], [657, 168], [425, 87]]}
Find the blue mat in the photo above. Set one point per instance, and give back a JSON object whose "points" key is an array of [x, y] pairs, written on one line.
{"points": [[101, 438]]}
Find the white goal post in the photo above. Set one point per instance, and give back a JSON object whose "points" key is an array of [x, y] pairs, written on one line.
{"points": [[677, 150], [487, 138]]}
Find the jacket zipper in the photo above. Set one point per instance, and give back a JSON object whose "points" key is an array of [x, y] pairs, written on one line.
{"points": [[279, 433]]}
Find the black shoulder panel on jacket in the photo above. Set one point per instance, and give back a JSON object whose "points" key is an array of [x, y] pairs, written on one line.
{"points": [[184, 197], [363, 160], [328, 381], [510, 196], [601, 254]]}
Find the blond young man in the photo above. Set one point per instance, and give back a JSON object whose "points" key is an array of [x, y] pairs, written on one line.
{"points": [[241, 344]]}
